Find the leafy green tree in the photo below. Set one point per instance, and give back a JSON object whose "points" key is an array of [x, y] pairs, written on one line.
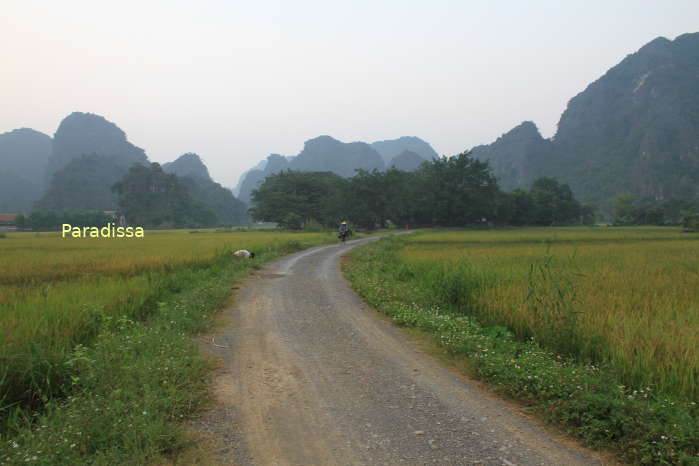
{"points": [[216, 198], [623, 209], [147, 196], [523, 212], [553, 203], [456, 191], [313, 196], [690, 222]]}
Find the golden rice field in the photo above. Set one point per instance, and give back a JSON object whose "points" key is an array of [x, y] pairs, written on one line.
{"points": [[33, 261], [627, 297], [54, 291]]}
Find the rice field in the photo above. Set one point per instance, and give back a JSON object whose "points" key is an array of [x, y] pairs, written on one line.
{"points": [[55, 292], [627, 298]]}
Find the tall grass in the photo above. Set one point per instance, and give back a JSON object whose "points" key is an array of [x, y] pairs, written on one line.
{"points": [[472, 296], [56, 293], [627, 298]]}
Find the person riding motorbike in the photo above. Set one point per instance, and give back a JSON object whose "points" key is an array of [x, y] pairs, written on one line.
{"points": [[344, 231]]}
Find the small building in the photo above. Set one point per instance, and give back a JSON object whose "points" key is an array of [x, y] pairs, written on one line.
{"points": [[7, 222], [7, 219]]}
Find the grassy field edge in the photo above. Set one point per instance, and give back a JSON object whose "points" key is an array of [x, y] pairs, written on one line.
{"points": [[584, 400], [131, 387]]}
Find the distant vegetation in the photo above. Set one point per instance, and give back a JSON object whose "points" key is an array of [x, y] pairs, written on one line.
{"points": [[52, 220], [455, 191]]}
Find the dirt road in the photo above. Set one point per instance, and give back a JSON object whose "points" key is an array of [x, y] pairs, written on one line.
{"points": [[309, 376]]}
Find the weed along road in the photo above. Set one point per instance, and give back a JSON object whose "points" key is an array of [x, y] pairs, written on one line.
{"points": [[309, 376]]}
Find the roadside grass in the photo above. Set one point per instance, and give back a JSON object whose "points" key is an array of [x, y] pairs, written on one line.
{"points": [[99, 371], [446, 297]]}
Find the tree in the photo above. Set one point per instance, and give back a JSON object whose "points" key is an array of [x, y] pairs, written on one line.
{"points": [[312, 196], [553, 203], [623, 209], [147, 196], [456, 191]]}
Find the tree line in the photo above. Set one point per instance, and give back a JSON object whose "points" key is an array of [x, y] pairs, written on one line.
{"points": [[631, 211], [452, 192], [149, 197]]}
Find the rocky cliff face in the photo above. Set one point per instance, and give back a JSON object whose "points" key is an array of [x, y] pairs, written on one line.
{"points": [[188, 164], [24, 155], [391, 148], [635, 130], [517, 156]]}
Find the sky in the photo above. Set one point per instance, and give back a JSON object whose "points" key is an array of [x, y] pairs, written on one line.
{"points": [[235, 81]]}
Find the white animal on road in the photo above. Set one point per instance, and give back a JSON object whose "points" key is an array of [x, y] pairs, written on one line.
{"points": [[244, 253]]}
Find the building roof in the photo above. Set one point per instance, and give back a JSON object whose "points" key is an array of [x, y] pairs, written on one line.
{"points": [[7, 218]]}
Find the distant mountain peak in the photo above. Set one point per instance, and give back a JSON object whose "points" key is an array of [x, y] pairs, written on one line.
{"points": [[391, 148], [189, 164], [87, 133]]}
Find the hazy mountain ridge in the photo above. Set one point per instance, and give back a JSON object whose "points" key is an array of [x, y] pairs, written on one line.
{"points": [[89, 155], [407, 161], [325, 153], [24, 155], [189, 164], [391, 148], [517, 156], [634, 130], [86, 133], [205, 191]]}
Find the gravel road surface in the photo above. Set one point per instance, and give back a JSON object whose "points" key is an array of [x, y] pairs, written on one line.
{"points": [[309, 376]]}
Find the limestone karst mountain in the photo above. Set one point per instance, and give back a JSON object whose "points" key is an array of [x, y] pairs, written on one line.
{"points": [[89, 155], [189, 164], [86, 133], [321, 154], [406, 161], [325, 153], [635, 130], [518, 156], [391, 148], [205, 191], [24, 155]]}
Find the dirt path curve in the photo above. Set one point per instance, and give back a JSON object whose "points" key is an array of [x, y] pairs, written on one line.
{"points": [[310, 377]]}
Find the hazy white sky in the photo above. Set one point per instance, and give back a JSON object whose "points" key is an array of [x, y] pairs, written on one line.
{"points": [[236, 80]]}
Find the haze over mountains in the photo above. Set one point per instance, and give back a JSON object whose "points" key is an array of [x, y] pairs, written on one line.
{"points": [[24, 155], [633, 131], [327, 154]]}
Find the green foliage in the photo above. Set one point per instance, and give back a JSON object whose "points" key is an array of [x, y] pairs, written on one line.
{"points": [[448, 191], [548, 203], [456, 191], [134, 367], [630, 211], [84, 184], [219, 200], [52, 220], [150, 197], [306, 195], [691, 222]]}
